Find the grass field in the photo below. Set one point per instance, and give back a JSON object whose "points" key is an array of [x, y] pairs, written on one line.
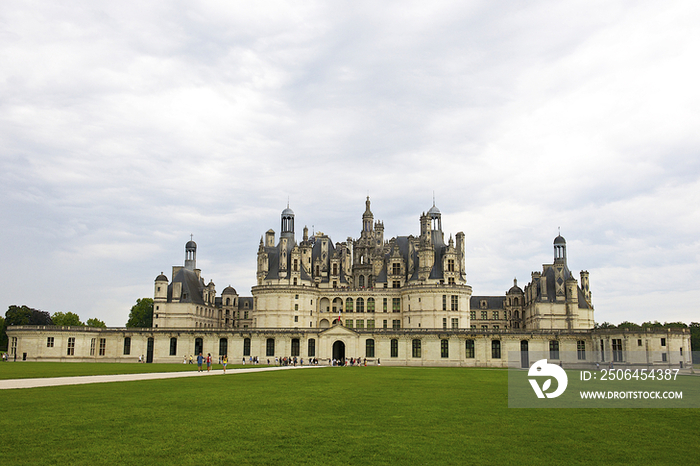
{"points": [[30, 370], [372, 415]]}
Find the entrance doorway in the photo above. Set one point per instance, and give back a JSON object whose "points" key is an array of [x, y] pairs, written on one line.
{"points": [[339, 351], [524, 357], [149, 350]]}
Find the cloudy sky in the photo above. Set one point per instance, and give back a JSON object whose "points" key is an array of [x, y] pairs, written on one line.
{"points": [[127, 126]]}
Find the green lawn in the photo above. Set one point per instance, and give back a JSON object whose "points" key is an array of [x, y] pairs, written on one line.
{"points": [[29, 370], [368, 415]]}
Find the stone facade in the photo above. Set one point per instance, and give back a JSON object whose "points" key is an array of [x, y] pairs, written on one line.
{"points": [[404, 301]]}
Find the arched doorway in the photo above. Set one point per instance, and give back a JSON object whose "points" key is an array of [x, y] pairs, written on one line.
{"points": [[339, 351], [524, 357]]}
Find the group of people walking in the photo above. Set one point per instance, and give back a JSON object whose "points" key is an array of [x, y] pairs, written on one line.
{"points": [[223, 360]]}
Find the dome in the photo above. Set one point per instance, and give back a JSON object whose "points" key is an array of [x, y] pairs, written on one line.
{"points": [[228, 290], [288, 211], [559, 240], [434, 210], [515, 288], [161, 278], [191, 245]]}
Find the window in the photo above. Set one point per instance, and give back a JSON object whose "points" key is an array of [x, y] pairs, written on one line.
{"points": [[384, 324], [496, 327], [127, 345], [270, 347], [370, 325], [396, 268], [495, 315], [296, 318], [335, 269], [444, 302], [13, 346], [450, 265], [103, 346], [360, 323], [469, 349], [484, 315], [348, 305], [639, 342], [223, 346], [92, 346], [245, 314], [455, 323], [484, 327], [246, 347], [173, 346], [617, 349], [396, 284], [385, 308], [396, 304], [370, 304], [348, 323], [369, 348], [450, 280], [312, 348], [416, 349], [361, 281], [444, 349], [295, 347], [454, 303], [396, 324], [394, 348], [496, 349], [553, 349], [296, 307], [360, 305], [472, 315], [49, 342], [663, 342], [663, 357], [444, 323], [295, 267], [581, 350]]}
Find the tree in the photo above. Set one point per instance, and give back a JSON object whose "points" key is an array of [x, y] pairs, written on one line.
{"points": [[141, 314], [629, 325], [695, 341], [95, 323], [604, 325], [675, 325], [655, 324], [3, 335], [67, 319], [24, 315]]}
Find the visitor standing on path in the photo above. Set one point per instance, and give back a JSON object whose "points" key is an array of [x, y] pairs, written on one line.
{"points": [[208, 362], [225, 361], [200, 360]]}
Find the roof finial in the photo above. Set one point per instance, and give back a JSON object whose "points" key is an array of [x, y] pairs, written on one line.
{"points": [[191, 236], [433, 198], [559, 228], [287, 202]]}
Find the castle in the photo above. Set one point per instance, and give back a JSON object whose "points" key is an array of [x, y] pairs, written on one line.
{"points": [[403, 300]]}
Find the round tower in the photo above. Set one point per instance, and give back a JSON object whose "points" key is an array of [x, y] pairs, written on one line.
{"points": [[160, 290], [191, 255]]}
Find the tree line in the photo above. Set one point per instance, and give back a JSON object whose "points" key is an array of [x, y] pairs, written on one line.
{"points": [[141, 315]]}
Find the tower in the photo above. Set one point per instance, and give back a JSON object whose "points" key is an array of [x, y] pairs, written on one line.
{"points": [[191, 255]]}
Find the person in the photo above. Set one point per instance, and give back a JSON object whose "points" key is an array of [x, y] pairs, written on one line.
{"points": [[224, 362], [597, 366], [190, 359], [244, 360], [208, 362], [184, 359], [140, 359], [200, 360], [379, 362]]}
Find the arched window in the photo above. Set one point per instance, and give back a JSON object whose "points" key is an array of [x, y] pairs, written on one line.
{"points": [[348, 305], [370, 304], [369, 348], [496, 349], [516, 315], [416, 348], [173, 346], [361, 281], [360, 305], [228, 301], [444, 348], [515, 301]]}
